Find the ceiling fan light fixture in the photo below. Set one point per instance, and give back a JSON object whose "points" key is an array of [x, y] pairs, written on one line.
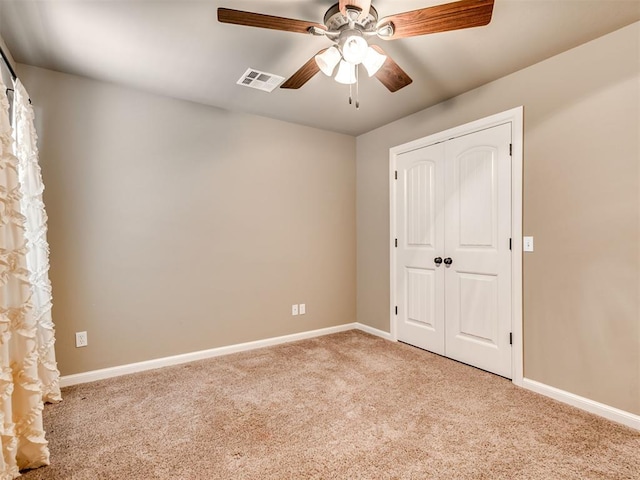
{"points": [[373, 61], [354, 49], [346, 73], [328, 60]]}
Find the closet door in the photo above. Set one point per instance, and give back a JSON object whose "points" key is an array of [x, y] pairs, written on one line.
{"points": [[477, 243], [420, 239]]}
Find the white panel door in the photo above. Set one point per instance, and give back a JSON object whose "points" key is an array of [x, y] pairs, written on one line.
{"points": [[477, 249], [420, 239]]}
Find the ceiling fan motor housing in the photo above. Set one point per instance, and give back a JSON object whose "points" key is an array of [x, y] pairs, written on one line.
{"points": [[335, 20]]}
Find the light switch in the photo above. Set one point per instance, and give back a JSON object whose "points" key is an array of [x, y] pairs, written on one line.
{"points": [[527, 244]]}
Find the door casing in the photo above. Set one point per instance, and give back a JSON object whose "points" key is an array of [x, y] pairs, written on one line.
{"points": [[515, 118]]}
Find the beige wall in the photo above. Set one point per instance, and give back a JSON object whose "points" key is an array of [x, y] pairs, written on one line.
{"points": [[581, 203], [176, 227]]}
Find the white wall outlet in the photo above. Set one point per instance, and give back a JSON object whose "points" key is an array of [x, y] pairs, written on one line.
{"points": [[81, 339], [294, 309], [527, 244], [303, 309]]}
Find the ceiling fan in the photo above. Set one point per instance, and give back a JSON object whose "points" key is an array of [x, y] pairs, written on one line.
{"points": [[350, 23]]}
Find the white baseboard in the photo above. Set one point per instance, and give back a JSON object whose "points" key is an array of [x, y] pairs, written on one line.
{"points": [[94, 375], [373, 331], [606, 411]]}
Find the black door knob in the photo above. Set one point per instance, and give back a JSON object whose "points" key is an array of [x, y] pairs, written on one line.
{"points": [[448, 261], [437, 260]]}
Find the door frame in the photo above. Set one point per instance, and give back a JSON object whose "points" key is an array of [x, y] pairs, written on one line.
{"points": [[515, 117]]}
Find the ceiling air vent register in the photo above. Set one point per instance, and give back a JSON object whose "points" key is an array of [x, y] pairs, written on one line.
{"points": [[260, 80]]}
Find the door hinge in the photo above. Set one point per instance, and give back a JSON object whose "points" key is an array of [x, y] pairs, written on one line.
{"points": [[511, 149], [396, 309], [510, 338], [396, 243], [509, 244], [396, 174]]}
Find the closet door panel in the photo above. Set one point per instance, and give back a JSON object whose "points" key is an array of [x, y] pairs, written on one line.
{"points": [[420, 239], [477, 234]]}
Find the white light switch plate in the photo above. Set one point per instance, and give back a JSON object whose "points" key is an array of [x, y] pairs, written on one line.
{"points": [[527, 244], [294, 309], [302, 309]]}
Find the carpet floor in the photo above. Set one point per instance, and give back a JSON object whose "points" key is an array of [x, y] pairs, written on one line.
{"points": [[342, 406]]}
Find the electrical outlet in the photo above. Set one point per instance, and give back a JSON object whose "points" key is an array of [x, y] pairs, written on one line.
{"points": [[302, 309], [294, 309], [81, 339]]}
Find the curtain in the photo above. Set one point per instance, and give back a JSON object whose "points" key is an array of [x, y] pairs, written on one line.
{"points": [[32, 207], [21, 397]]}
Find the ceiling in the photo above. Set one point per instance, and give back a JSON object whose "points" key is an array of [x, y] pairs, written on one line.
{"points": [[177, 48]]}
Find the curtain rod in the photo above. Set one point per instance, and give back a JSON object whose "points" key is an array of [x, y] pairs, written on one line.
{"points": [[8, 64], [11, 70]]}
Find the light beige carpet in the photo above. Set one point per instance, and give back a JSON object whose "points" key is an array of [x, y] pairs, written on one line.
{"points": [[344, 406]]}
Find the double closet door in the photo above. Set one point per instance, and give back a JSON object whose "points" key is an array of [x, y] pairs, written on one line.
{"points": [[453, 259]]}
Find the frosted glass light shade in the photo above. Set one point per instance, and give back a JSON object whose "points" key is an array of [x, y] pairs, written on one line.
{"points": [[354, 49], [346, 73], [328, 60], [373, 61]]}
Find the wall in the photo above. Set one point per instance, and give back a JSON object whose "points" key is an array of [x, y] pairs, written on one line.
{"points": [[176, 227], [581, 203], [4, 69]]}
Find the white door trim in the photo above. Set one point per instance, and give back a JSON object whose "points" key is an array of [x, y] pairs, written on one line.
{"points": [[515, 117]]}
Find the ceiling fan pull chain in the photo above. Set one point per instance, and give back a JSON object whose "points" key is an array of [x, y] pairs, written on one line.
{"points": [[350, 95], [357, 88]]}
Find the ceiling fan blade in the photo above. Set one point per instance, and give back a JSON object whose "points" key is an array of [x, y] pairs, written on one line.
{"points": [[304, 74], [390, 74], [249, 19], [362, 5], [440, 18]]}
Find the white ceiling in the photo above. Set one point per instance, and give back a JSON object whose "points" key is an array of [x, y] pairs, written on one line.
{"points": [[177, 48]]}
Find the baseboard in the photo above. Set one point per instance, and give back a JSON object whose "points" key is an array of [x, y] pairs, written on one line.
{"points": [[374, 331], [94, 375], [606, 411]]}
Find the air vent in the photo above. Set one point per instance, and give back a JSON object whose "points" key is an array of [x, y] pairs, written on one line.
{"points": [[261, 80]]}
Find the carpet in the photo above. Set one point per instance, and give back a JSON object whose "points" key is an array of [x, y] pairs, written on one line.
{"points": [[342, 406]]}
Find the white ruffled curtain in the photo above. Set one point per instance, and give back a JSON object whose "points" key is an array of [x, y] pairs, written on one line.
{"points": [[32, 207], [28, 374]]}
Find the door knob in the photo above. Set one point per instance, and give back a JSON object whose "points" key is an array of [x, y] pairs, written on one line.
{"points": [[448, 261], [437, 260]]}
